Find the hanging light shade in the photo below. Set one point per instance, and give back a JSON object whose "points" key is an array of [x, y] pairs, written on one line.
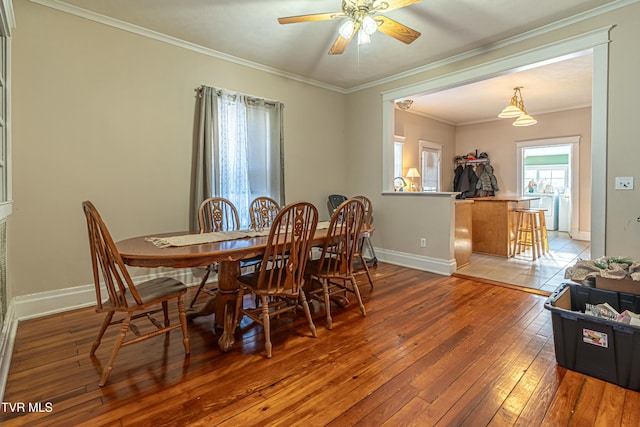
{"points": [[512, 110], [346, 29], [369, 25], [525, 120], [363, 37], [516, 109]]}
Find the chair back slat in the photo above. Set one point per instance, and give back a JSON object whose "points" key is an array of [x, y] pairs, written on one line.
{"points": [[108, 267], [342, 239], [263, 211], [217, 214], [368, 208], [288, 247]]}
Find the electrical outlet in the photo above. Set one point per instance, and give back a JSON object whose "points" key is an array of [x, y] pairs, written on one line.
{"points": [[624, 183], [423, 242]]}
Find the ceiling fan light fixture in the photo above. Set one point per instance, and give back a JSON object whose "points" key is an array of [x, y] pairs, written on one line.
{"points": [[346, 29], [369, 25], [363, 37], [362, 17]]}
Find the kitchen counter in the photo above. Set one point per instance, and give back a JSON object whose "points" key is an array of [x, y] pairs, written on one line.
{"points": [[494, 223]]}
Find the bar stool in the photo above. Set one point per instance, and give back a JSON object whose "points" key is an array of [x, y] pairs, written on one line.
{"points": [[544, 239], [528, 232]]}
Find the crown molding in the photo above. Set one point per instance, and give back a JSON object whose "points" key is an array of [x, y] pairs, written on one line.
{"points": [[501, 44], [141, 31], [74, 10]]}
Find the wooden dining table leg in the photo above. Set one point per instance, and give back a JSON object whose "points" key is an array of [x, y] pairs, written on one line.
{"points": [[228, 273]]}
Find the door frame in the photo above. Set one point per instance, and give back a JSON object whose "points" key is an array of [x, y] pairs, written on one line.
{"points": [[574, 177], [598, 41]]}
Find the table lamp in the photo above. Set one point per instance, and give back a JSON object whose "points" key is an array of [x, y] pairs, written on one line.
{"points": [[413, 173]]}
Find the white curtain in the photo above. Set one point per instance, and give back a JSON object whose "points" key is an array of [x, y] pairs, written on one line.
{"points": [[239, 150], [232, 167]]}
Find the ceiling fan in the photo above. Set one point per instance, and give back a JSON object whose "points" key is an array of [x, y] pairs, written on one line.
{"points": [[362, 18]]}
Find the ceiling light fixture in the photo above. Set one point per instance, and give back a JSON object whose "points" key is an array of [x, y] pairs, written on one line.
{"points": [[516, 109], [359, 20], [346, 29], [405, 104]]}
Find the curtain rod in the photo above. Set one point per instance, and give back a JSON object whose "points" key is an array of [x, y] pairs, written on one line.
{"points": [[253, 97]]}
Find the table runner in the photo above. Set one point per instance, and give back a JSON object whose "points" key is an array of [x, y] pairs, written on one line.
{"points": [[217, 236]]}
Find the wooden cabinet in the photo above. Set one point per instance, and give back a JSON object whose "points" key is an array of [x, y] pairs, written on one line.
{"points": [[494, 223], [463, 232]]}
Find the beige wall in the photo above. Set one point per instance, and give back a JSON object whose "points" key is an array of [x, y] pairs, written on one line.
{"points": [[106, 115], [102, 114], [623, 150], [498, 138], [414, 128], [622, 207]]}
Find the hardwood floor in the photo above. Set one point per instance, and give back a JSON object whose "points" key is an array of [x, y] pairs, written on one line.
{"points": [[432, 350]]}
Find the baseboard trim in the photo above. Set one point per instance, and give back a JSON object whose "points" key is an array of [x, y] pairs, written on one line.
{"points": [[419, 262], [60, 300], [580, 235]]}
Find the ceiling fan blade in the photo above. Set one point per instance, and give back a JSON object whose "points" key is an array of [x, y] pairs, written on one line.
{"points": [[341, 43], [311, 18], [394, 4], [396, 30]]}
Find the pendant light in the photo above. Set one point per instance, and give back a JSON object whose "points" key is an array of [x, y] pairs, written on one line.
{"points": [[516, 109]]}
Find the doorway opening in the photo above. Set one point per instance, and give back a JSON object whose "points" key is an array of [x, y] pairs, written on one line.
{"points": [[550, 169]]}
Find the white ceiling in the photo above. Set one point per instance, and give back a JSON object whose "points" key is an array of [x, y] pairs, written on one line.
{"points": [[249, 31], [547, 88]]}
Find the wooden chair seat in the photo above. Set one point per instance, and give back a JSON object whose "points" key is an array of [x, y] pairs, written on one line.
{"points": [[152, 291]]}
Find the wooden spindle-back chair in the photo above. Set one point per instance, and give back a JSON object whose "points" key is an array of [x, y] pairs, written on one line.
{"points": [[334, 269], [215, 214], [263, 211], [279, 281], [122, 296]]}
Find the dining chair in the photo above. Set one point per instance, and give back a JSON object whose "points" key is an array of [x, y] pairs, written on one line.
{"points": [[333, 201], [331, 274], [365, 241], [263, 211], [279, 281], [215, 214], [134, 301]]}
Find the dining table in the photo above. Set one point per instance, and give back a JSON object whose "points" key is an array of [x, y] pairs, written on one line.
{"points": [[144, 251]]}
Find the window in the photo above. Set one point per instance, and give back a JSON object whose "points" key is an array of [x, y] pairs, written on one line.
{"points": [[430, 155], [239, 150], [249, 160], [398, 152], [546, 169]]}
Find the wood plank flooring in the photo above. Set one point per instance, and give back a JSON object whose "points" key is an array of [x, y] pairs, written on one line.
{"points": [[432, 350]]}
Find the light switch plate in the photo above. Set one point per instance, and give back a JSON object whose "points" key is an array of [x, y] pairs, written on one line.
{"points": [[624, 183]]}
